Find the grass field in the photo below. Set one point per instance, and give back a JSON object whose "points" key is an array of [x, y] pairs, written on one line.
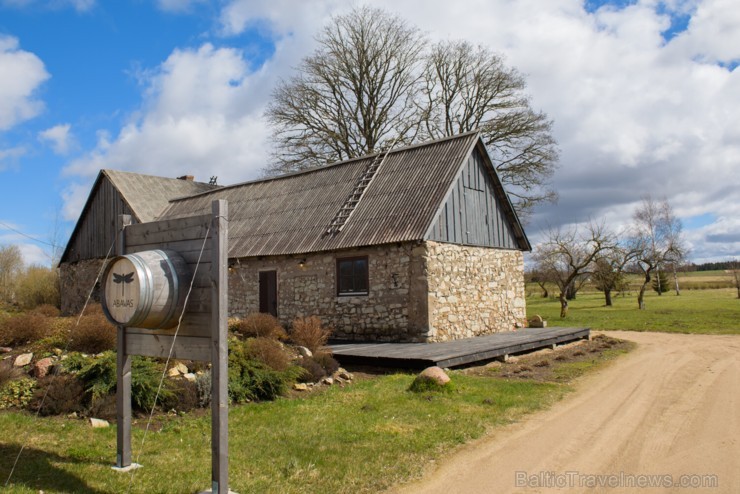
{"points": [[362, 438], [694, 311]]}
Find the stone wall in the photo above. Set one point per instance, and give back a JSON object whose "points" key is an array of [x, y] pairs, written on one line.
{"points": [[394, 309], [473, 290], [76, 280]]}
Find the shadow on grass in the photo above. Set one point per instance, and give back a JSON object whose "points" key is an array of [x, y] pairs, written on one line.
{"points": [[37, 470]]}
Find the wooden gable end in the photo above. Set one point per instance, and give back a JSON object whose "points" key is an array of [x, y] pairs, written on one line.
{"points": [[476, 210], [96, 228]]}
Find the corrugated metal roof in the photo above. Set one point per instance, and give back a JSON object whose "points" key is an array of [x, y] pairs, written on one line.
{"points": [[290, 214], [148, 195]]}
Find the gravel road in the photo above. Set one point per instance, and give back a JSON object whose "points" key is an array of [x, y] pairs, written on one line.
{"points": [[667, 413]]}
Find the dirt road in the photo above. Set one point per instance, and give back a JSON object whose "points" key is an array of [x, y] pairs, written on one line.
{"points": [[669, 409]]}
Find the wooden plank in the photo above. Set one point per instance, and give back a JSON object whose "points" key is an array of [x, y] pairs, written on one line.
{"points": [[457, 352], [191, 245], [158, 345], [158, 232]]}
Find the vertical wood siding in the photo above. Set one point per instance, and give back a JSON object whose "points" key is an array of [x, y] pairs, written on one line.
{"points": [[472, 215], [97, 226]]}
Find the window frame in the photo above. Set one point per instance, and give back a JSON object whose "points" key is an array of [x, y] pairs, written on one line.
{"points": [[366, 274]]}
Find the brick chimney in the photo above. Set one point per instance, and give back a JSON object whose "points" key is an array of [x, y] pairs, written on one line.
{"points": [[187, 178]]}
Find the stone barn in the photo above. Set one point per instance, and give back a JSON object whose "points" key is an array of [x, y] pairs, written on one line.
{"points": [[419, 244]]}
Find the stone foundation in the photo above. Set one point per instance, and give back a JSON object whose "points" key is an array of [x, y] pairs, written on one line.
{"points": [[473, 291], [75, 281]]}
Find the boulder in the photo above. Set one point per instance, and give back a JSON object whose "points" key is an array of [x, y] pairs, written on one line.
{"points": [[328, 381], [173, 372], [99, 423], [300, 387], [41, 368], [189, 377], [435, 374], [304, 352], [23, 359], [182, 368], [343, 374]]}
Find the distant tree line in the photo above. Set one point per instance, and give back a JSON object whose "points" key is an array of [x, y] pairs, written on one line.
{"points": [[709, 266]]}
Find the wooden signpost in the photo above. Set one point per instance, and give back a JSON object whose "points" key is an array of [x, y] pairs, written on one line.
{"points": [[145, 290]]}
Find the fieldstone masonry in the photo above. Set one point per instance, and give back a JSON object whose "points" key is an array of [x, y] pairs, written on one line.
{"points": [[419, 292], [393, 310], [76, 281], [474, 291]]}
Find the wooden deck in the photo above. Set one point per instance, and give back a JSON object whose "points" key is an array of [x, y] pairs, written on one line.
{"points": [[454, 353]]}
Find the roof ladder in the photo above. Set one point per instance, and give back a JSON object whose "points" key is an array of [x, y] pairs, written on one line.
{"points": [[340, 219]]}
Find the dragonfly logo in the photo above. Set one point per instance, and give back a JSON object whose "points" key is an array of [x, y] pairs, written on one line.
{"points": [[123, 280]]}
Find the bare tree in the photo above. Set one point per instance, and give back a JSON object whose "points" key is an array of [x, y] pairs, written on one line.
{"points": [[657, 237], [355, 92], [608, 274], [568, 256], [470, 88], [11, 266], [374, 79], [534, 275]]}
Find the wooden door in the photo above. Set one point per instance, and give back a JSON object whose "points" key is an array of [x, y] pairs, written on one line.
{"points": [[268, 292]]}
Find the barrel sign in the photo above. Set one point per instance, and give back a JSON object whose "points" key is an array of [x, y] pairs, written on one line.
{"points": [[146, 289]]}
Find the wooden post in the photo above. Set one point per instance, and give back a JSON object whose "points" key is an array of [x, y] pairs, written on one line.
{"points": [[123, 374], [219, 360]]}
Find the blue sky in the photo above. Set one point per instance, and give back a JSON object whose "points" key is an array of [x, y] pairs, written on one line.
{"points": [[642, 94]]}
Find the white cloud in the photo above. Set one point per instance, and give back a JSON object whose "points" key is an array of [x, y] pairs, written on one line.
{"points": [[59, 137], [22, 74], [202, 116]]}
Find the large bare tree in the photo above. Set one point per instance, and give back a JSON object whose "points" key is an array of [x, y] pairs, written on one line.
{"points": [[657, 237], [353, 94], [568, 256], [468, 88], [374, 79]]}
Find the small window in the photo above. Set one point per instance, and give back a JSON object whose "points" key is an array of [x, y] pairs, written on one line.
{"points": [[352, 276]]}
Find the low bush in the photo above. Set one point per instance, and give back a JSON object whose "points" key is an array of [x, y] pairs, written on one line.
{"points": [[9, 373], [252, 380], [186, 396], [270, 352], [24, 328], [259, 325], [204, 384], [17, 393], [58, 395], [47, 310], [309, 332], [312, 371], [326, 361], [99, 378], [93, 334]]}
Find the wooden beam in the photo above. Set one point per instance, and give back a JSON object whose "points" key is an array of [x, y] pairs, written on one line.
{"points": [[123, 373], [219, 362]]}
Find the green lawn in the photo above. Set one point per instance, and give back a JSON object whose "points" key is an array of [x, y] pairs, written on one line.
{"points": [[694, 311], [362, 438]]}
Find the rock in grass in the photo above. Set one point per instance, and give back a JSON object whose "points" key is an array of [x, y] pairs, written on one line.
{"points": [[23, 359], [99, 423], [41, 368], [300, 387], [304, 352], [431, 379]]}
